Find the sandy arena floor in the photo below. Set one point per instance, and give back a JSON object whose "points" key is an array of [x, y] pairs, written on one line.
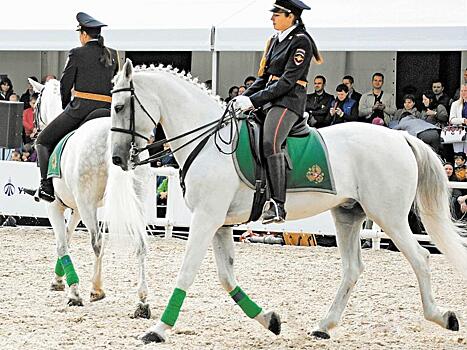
{"points": [[384, 311]]}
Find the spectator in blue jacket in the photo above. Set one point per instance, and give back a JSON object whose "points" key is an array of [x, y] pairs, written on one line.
{"points": [[343, 109]]}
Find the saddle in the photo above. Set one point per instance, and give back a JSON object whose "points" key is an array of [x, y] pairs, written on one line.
{"points": [[54, 169], [255, 135], [307, 163], [97, 113]]}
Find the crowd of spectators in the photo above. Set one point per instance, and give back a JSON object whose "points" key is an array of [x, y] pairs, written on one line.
{"points": [[26, 152]]}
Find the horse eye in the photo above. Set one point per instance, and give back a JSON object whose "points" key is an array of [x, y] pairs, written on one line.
{"points": [[118, 108]]}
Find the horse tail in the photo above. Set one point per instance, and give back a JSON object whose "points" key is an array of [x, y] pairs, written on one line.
{"points": [[124, 213], [433, 201]]}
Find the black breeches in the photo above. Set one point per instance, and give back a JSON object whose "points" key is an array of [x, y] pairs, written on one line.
{"points": [[56, 130], [277, 125]]}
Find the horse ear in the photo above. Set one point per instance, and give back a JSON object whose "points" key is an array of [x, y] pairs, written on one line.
{"points": [[128, 69], [35, 85]]}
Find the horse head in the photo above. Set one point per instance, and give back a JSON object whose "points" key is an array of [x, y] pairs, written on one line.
{"points": [[49, 103], [132, 119]]}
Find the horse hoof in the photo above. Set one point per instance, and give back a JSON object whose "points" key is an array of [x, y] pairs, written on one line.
{"points": [[152, 337], [97, 296], [57, 287], [320, 334], [142, 311], [75, 302], [452, 321], [275, 323]]}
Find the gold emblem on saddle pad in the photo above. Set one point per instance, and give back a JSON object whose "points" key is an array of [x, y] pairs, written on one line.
{"points": [[315, 174], [53, 161]]}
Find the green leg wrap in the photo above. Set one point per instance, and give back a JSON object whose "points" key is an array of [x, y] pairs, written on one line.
{"points": [[173, 308], [59, 271], [71, 275], [248, 306]]}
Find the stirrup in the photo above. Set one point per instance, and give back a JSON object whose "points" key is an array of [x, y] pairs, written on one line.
{"points": [[277, 218]]}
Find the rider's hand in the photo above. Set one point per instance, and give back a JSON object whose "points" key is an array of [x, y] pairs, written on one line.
{"points": [[242, 103]]}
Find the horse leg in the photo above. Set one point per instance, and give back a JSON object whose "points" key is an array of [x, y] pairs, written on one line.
{"points": [[71, 225], [64, 266], [348, 224], [418, 257], [225, 255], [89, 217], [202, 229], [142, 310], [57, 283]]}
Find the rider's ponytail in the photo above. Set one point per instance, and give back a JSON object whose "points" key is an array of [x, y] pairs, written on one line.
{"points": [[314, 49], [105, 58]]}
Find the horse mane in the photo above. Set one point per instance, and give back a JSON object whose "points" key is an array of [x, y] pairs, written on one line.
{"points": [[186, 76]]}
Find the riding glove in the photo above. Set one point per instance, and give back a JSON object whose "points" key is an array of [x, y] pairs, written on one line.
{"points": [[242, 103]]}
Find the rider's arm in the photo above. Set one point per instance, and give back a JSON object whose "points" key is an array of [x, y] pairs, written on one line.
{"points": [[68, 79], [258, 85], [298, 62]]}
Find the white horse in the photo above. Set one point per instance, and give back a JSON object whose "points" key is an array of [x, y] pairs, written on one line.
{"points": [[379, 173], [84, 171]]}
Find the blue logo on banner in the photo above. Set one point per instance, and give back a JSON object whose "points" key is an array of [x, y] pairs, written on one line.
{"points": [[9, 188]]}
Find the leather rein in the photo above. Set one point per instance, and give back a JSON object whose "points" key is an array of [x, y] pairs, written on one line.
{"points": [[228, 117]]}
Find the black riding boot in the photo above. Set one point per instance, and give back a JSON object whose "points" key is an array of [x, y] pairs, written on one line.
{"points": [[277, 186], [46, 189]]}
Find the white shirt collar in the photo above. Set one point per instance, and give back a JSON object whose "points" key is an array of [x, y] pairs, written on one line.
{"points": [[285, 33]]}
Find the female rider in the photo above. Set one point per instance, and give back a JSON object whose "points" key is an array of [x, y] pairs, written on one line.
{"points": [[89, 70], [280, 90]]}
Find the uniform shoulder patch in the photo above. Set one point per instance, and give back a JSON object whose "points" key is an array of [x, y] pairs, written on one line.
{"points": [[299, 56]]}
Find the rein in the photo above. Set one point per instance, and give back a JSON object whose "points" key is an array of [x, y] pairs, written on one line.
{"points": [[228, 117]]}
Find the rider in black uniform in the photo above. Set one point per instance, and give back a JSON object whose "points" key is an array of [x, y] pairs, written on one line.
{"points": [[89, 70], [280, 90]]}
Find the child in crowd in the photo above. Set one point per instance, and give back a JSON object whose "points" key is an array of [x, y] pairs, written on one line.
{"points": [[460, 169]]}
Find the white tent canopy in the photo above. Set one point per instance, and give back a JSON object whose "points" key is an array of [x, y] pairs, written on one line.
{"points": [[240, 25]]}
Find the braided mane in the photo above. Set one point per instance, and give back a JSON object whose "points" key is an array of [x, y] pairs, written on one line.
{"points": [[181, 75]]}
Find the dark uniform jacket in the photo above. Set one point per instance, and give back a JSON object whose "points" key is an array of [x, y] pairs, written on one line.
{"points": [[85, 73], [318, 107], [356, 96], [290, 60]]}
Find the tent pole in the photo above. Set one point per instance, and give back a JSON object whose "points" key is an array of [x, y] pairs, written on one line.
{"points": [[215, 61]]}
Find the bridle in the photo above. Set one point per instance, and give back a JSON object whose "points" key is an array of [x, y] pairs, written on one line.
{"points": [[132, 129], [228, 117]]}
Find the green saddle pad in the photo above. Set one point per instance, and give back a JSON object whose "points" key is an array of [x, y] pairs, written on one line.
{"points": [[311, 170], [54, 169]]}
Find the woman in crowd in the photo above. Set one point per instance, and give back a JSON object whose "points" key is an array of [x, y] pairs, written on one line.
{"points": [[6, 89], [459, 108], [433, 112]]}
